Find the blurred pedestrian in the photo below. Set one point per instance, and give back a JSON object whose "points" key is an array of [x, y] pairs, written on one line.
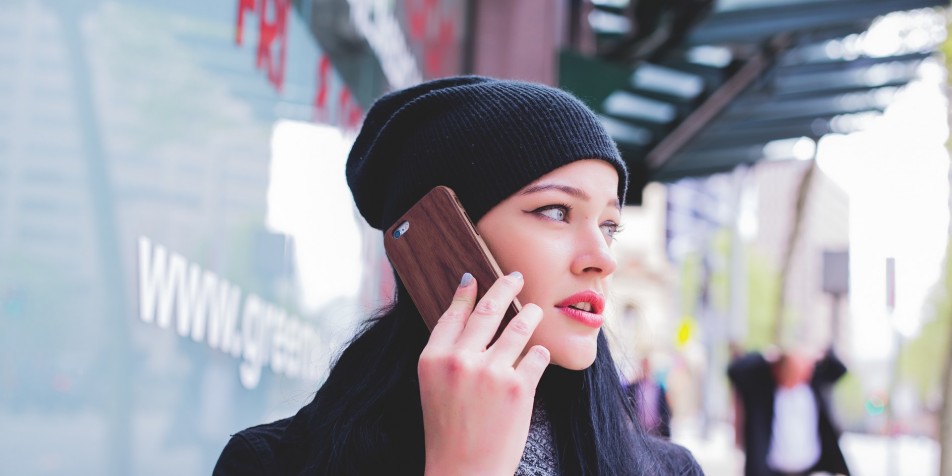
{"points": [[650, 400], [787, 425]]}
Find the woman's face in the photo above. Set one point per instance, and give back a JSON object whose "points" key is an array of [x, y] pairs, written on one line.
{"points": [[557, 232]]}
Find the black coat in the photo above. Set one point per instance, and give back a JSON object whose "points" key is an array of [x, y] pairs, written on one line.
{"points": [[755, 384], [283, 447]]}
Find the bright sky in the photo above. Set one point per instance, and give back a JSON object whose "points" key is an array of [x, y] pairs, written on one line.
{"points": [[896, 173]]}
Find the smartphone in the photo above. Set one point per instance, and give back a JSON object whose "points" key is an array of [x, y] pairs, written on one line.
{"points": [[431, 246]]}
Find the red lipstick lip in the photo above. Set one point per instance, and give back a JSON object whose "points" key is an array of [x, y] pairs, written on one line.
{"points": [[594, 298]]}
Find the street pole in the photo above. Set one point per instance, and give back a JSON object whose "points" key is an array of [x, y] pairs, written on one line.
{"points": [[891, 427]]}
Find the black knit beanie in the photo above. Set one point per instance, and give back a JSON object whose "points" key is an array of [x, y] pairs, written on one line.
{"points": [[485, 138]]}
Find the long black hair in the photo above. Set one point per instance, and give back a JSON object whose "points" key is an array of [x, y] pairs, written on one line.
{"points": [[367, 418]]}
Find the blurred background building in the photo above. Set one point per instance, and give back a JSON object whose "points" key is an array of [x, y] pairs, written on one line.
{"points": [[180, 257]]}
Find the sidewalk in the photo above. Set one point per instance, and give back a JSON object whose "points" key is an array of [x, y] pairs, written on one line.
{"points": [[866, 455], [877, 455], [715, 452]]}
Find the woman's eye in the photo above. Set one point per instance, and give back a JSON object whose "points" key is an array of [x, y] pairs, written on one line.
{"points": [[553, 212], [611, 228]]}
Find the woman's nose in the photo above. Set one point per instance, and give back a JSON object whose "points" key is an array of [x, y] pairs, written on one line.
{"points": [[592, 254]]}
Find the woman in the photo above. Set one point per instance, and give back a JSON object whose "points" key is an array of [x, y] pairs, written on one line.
{"points": [[544, 184]]}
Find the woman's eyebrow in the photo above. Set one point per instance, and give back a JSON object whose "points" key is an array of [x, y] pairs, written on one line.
{"points": [[573, 191], [542, 187]]}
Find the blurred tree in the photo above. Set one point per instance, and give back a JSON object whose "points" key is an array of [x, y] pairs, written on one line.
{"points": [[786, 264], [690, 283], [720, 279], [945, 414], [763, 287], [942, 319], [917, 362], [850, 400]]}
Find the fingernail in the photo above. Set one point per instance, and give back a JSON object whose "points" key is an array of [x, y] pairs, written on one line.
{"points": [[467, 278], [516, 274]]}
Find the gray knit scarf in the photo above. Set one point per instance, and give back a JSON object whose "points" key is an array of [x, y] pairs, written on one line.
{"points": [[539, 458]]}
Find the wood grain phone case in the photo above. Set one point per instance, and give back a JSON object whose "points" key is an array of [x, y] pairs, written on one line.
{"points": [[431, 246]]}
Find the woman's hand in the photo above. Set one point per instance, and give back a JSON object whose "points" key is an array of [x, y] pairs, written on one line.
{"points": [[477, 400]]}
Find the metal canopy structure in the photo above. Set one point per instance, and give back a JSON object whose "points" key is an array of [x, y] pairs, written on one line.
{"points": [[696, 87]]}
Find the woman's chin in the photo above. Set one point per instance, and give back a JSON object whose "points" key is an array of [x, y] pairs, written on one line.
{"points": [[575, 362]]}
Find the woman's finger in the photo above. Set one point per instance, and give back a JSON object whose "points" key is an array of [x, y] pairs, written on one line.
{"points": [[533, 364], [512, 342], [448, 328], [486, 316]]}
